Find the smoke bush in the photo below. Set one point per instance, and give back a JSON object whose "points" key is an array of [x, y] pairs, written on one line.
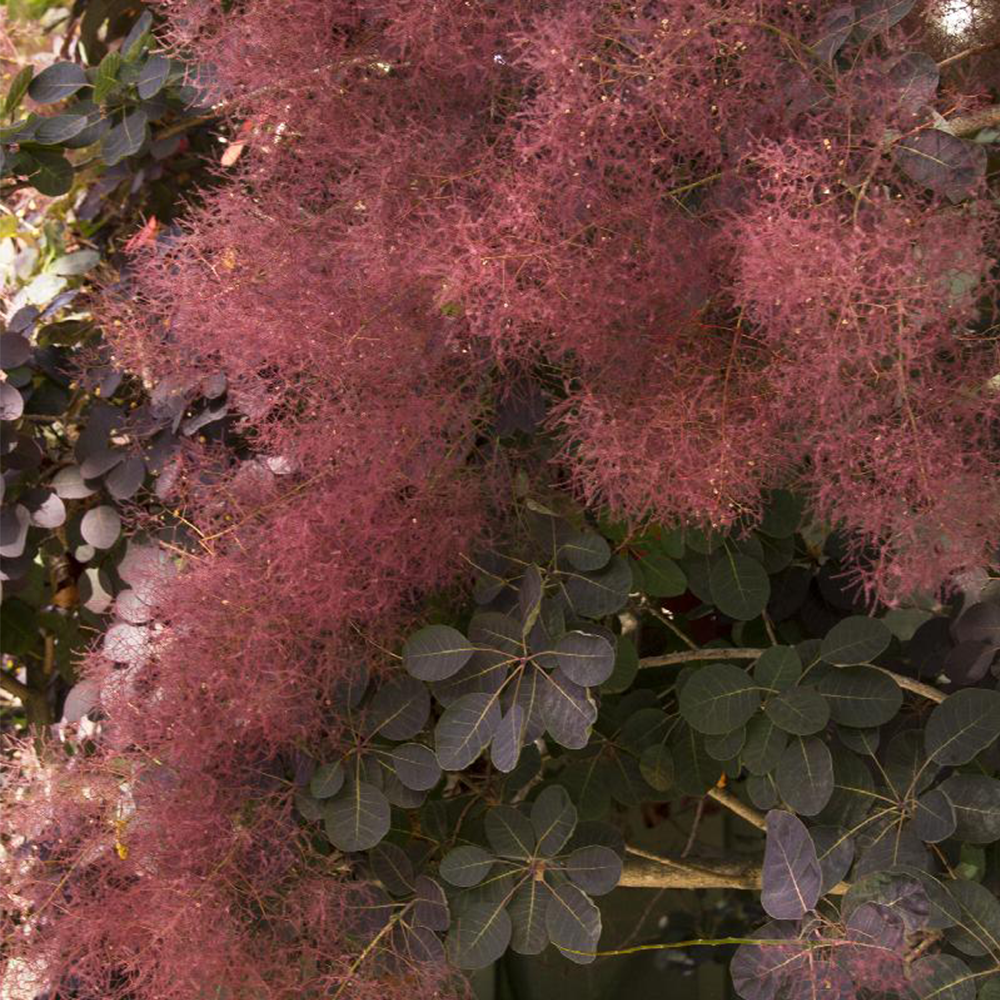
{"points": [[699, 232]]}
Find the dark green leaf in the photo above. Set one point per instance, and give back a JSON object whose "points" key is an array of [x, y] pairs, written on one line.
{"points": [[584, 658], [137, 37], [727, 746], [718, 698], [626, 667], [391, 866], [977, 931], [657, 766], [507, 738], [479, 936], [573, 923], [567, 709], [57, 82], [585, 550], [465, 729], [587, 782], [107, 76], [934, 817], [18, 88], [661, 576], [804, 775], [124, 139], [782, 514], [430, 908], [527, 913], [49, 172], [399, 709], [762, 791], [764, 745], [553, 817], [853, 791], [436, 652], [835, 852], [860, 696], [976, 799], [358, 818], [964, 724], [801, 711], [416, 766], [855, 640], [510, 833], [595, 869], [695, 772], [59, 128], [593, 595], [311, 809], [153, 76], [942, 977], [466, 866], [863, 741], [740, 585], [327, 781]]}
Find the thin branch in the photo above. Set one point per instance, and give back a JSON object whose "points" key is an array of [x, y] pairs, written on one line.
{"points": [[14, 687], [916, 687], [976, 50], [970, 124], [687, 655], [737, 806], [644, 870]]}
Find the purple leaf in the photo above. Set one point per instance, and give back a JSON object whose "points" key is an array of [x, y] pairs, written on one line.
{"points": [[791, 878]]}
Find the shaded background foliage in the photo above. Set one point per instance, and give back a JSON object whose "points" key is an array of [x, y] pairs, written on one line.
{"points": [[672, 260]]}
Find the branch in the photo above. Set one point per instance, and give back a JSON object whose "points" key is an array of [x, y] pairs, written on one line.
{"points": [[688, 655], [643, 870], [966, 125], [740, 808], [976, 50], [14, 687]]}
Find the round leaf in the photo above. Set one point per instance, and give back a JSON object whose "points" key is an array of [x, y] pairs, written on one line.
{"points": [[964, 724], [327, 781], [436, 652], [510, 833], [57, 82], [399, 709], [585, 659], [465, 729], [855, 640], [416, 766], [358, 818], [718, 698], [391, 866], [740, 585], [860, 696], [790, 878], [480, 936], [801, 711], [553, 817], [466, 866], [595, 869], [573, 923], [101, 526], [804, 775]]}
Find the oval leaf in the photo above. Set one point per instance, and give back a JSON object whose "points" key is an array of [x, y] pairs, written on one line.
{"points": [[480, 936], [465, 729], [436, 652], [466, 866], [791, 878], [573, 923], [553, 817], [718, 698], [855, 640], [595, 869], [740, 585], [801, 711], [358, 818], [585, 659], [804, 775], [964, 724]]}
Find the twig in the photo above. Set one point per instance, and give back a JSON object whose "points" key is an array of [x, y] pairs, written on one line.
{"points": [[976, 50], [916, 687], [686, 656], [970, 124], [644, 870], [740, 808], [699, 812]]}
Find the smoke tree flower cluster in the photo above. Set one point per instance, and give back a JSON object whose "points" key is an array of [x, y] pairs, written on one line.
{"points": [[718, 252]]}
